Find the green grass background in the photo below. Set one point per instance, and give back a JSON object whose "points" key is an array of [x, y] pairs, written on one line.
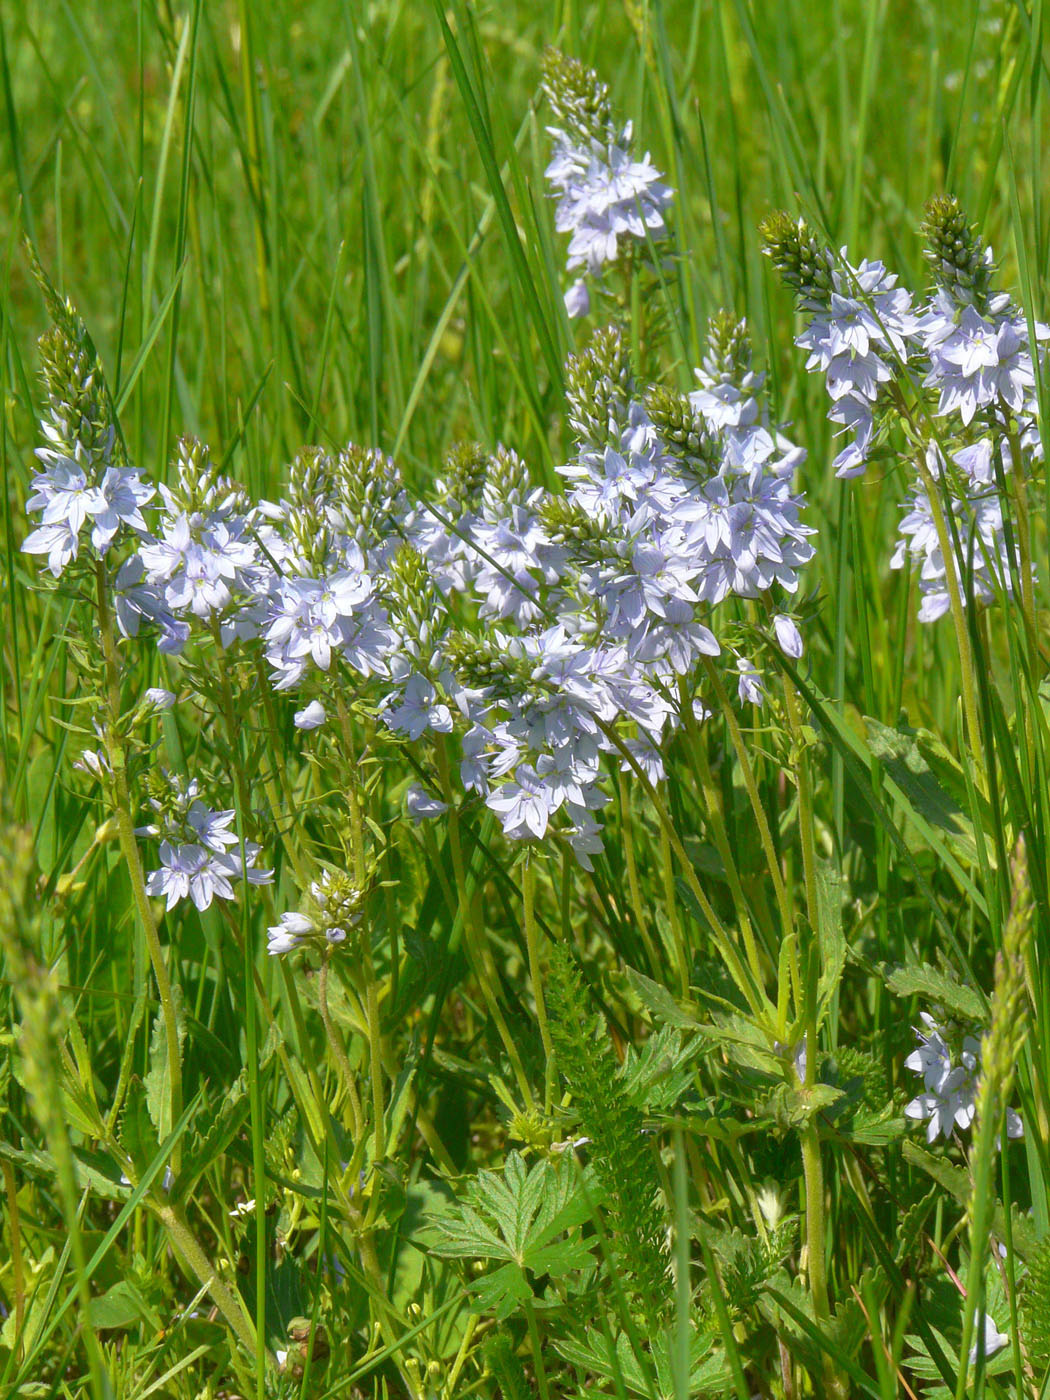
{"points": [[324, 259], [300, 222]]}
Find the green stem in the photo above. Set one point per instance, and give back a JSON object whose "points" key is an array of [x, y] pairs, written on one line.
{"points": [[1018, 489], [357, 842], [375, 1058], [751, 991], [282, 826], [475, 944], [814, 1176], [336, 1047], [258, 1115], [671, 903], [224, 1298], [805, 801], [532, 943], [129, 849], [633, 888], [713, 813], [962, 636], [787, 913], [536, 1344]]}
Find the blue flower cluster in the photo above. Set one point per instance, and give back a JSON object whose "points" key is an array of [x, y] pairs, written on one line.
{"points": [[557, 635], [956, 370]]}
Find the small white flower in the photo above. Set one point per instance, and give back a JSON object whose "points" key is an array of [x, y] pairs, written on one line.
{"points": [[421, 806], [288, 934], [158, 698], [789, 638], [578, 299], [93, 761], [311, 717], [749, 684], [990, 1342]]}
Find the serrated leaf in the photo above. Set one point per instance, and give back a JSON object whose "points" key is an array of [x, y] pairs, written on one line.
{"points": [[931, 783], [603, 1356], [906, 755], [515, 1218], [937, 986], [795, 1106], [661, 1003], [956, 1181], [911, 1223], [79, 1111], [657, 1076], [876, 1127], [830, 933], [93, 1169], [202, 1149], [99, 1171], [722, 1127], [138, 1137]]}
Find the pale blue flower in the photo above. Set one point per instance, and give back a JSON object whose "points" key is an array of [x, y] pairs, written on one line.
{"points": [[311, 717], [421, 806], [789, 638]]}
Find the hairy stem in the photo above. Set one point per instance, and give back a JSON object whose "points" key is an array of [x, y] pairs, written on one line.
{"points": [[813, 1172], [193, 1256]]}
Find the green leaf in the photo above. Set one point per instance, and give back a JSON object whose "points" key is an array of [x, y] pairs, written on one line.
{"points": [[93, 1169], [158, 1080], [203, 1149], [515, 1218], [599, 1354], [937, 986], [875, 1127], [660, 1002], [122, 1306], [137, 1134], [794, 1106], [658, 1075], [206, 1144], [956, 1181], [923, 770]]}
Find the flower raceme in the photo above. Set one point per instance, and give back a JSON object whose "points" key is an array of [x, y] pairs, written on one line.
{"points": [[332, 909], [199, 855], [602, 597], [956, 372], [948, 1098], [548, 635], [608, 200]]}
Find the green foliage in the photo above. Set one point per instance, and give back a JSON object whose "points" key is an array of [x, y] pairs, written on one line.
{"points": [[620, 1153], [516, 1218], [502, 1360], [1035, 1307], [941, 988], [254, 227]]}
